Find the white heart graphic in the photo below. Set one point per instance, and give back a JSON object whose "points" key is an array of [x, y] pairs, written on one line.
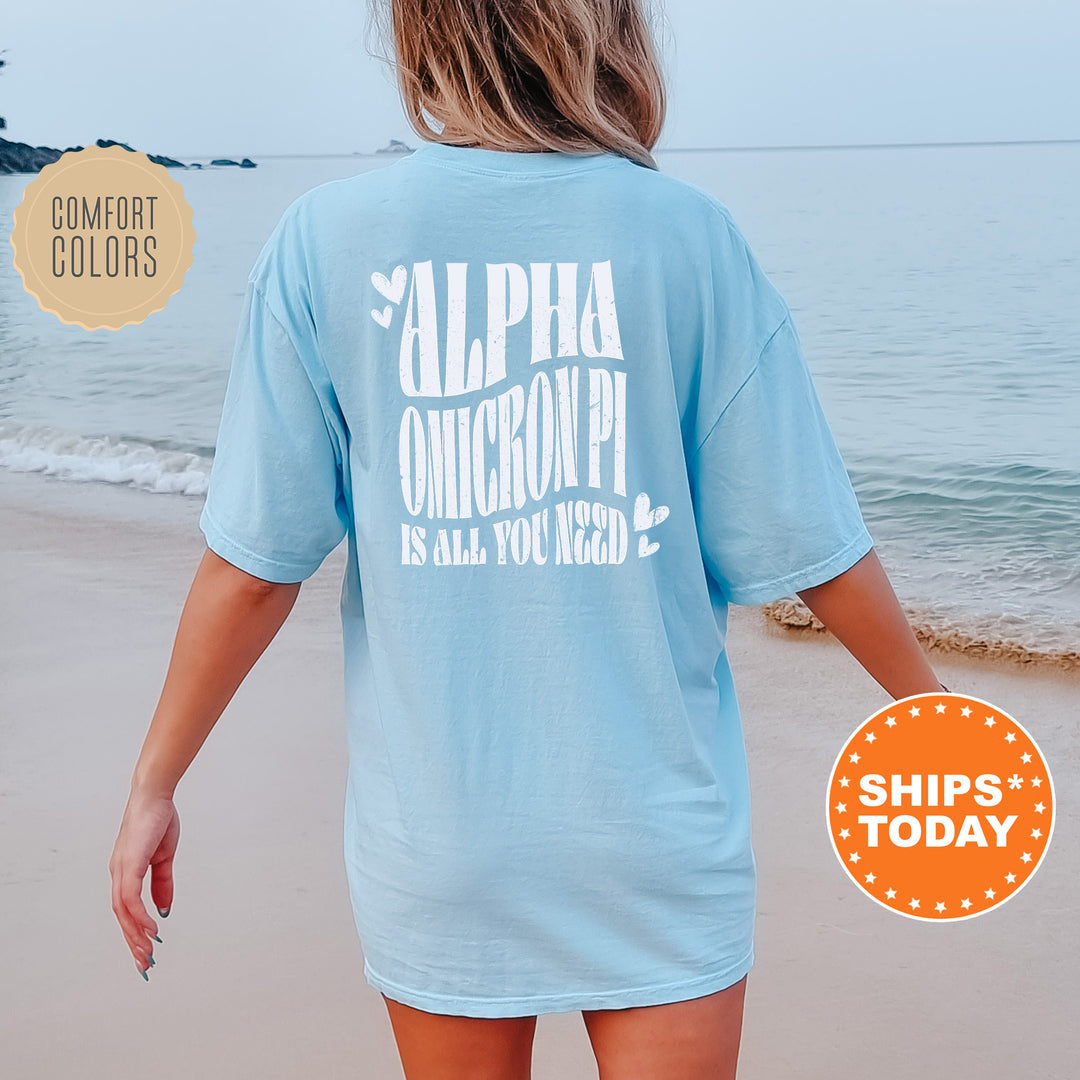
{"points": [[383, 317], [644, 548], [644, 518], [392, 288]]}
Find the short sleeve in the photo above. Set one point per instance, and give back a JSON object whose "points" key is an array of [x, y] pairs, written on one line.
{"points": [[776, 512], [275, 506]]}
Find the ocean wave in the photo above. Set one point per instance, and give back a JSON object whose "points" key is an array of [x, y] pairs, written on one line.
{"points": [[976, 502], [54, 452], [996, 637], [988, 552]]}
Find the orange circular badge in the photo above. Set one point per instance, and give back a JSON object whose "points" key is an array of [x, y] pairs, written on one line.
{"points": [[103, 237], [940, 807]]}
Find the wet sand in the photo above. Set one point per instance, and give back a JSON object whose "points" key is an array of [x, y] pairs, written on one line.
{"points": [[259, 973]]}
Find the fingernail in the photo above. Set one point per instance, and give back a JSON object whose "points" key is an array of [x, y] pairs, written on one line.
{"points": [[158, 940], [142, 972], [164, 912], [152, 961]]}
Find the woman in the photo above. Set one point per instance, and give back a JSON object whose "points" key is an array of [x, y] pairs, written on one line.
{"points": [[563, 419]]}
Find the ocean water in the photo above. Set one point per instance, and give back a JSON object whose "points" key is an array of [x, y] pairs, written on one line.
{"points": [[935, 291]]}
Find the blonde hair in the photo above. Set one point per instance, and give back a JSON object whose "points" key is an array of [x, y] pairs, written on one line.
{"points": [[577, 76]]}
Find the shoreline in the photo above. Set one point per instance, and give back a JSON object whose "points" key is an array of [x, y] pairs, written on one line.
{"points": [[260, 957], [936, 634], [124, 481]]}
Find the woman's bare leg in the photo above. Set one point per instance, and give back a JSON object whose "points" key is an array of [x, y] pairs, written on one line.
{"points": [[686, 1040], [436, 1047]]}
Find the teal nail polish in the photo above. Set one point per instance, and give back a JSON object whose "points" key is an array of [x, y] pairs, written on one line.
{"points": [[152, 961], [157, 939], [145, 976]]}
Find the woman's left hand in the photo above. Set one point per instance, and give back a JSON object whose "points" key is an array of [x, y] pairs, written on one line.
{"points": [[147, 840]]}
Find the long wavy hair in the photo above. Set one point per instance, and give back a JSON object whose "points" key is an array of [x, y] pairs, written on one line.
{"points": [[577, 76]]}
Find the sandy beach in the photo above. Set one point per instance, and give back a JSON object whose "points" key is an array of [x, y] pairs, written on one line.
{"points": [[259, 973]]}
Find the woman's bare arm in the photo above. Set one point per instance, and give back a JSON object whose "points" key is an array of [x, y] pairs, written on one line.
{"points": [[862, 612], [227, 622]]}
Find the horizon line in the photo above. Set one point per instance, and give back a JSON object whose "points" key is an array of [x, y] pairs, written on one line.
{"points": [[868, 146], [737, 149]]}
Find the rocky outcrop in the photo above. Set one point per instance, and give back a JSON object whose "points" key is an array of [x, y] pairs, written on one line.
{"points": [[157, 159], [394, 146], [16, 157]]}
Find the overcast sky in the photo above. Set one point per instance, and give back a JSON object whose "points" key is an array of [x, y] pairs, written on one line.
{"points": [[213, 77]]}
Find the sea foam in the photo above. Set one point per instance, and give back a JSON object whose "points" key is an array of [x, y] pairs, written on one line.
{"points": [[54, 452]]}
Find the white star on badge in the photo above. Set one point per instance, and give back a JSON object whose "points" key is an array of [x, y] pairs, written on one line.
{"points": [[1036, 781], [914, 710], [913, 903], [989, 721], [939, 708], [841, 807], [854, 857], [1039, 807], [890, 894], [1026, 857], [890, 721], [870, 879], [1011, 737], [990, 894], [965, 903], [1036, 833], [939, 906], [1026, 759], [844, 781], [844, 834], [853, 758], [1010, 878], [965, 711], [870, 736]]}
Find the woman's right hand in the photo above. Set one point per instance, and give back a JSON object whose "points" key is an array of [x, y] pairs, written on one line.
{"points": [[147, 840]]}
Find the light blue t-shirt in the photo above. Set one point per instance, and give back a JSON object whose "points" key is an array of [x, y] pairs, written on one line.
{"points": [[562, 418]]}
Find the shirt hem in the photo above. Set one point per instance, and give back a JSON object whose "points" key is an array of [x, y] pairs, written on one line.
{"points": [[659, 994], [807, 578], [250, 562]]}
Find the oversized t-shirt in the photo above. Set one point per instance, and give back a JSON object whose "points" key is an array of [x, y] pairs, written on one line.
{"points": [[562, 419]]}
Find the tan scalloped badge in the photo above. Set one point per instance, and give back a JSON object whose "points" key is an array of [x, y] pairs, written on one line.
{"points": [[103, 237]]}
